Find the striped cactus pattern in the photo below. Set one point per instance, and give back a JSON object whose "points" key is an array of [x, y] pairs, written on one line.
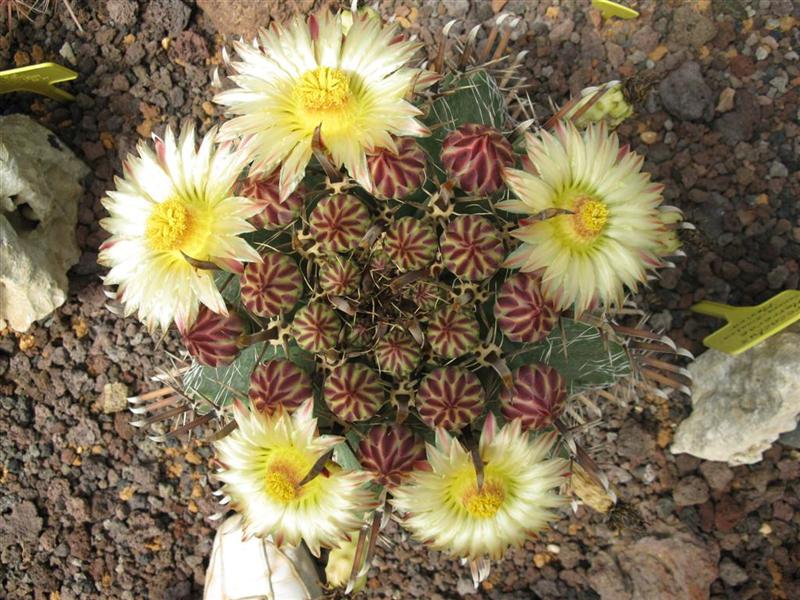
{"points": [[339, 276], [521, 311], [316, 327], [425, 295], [397, 353], [274, 213], [452, 332], [353, 392], [338, 222], [397, 175], [474, 156], [390, 453], [410, 243], [272, 286], [278, 382], [211, 340], [450, 397], [472, 248], [537, 397]]}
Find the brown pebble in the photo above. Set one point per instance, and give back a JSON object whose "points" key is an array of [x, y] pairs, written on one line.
{"points": [[22, 58], [726, 97], [649, 137]]}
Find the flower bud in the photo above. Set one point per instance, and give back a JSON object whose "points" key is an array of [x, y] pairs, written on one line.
{"points": [[211, 340], [474, 156], [611, 107], [538, 396], [397, 175]]}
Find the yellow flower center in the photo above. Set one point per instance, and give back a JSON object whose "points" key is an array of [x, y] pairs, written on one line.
{"points": [[168, 226], [485, 503], [323, 89], [281, 481], [590, 216]]}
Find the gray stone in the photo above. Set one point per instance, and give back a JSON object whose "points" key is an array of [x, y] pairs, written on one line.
{"points": [[717, 474], [169, 15], [741, 404], [40, 188], [690, 28], [122, 12], [677, 566], [778, 169], [731, 573], [791, 439], [738, 125], [685, 93], [690, 491]]}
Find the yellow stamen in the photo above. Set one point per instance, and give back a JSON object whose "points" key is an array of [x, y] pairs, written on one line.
{"points": [[487, 502], [324, 88], [168, 226], [590, 216], [281, 482]]}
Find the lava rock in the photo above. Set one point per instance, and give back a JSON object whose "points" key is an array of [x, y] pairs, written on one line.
{"points": [[245, 21], [738, 125], [717, 474], [169, 15], [690, 491], [691, 28], [731, 573], [122, 12], [678, 566], [685, 93]]}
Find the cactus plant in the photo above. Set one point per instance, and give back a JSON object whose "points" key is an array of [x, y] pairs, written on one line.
{"points": [[387, 289]]}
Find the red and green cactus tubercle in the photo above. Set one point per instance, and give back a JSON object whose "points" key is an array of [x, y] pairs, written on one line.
{"points": [[426, 295], [338, 222], [393, 175], [472, 248], [339, 276], [452, 332], [521, 311], [538, 396], [271, 287], [353, 392], [397, 353], [450, 397], [212, 339], [390, 453], [316, 327], [278, 382], [474, 156], [274, 213], [410, 243]]}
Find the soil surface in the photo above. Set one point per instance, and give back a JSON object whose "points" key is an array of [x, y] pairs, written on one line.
{"points": [[91, 509]]}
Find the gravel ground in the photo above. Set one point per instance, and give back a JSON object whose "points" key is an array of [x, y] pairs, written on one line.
{"points": [[91, 509]]}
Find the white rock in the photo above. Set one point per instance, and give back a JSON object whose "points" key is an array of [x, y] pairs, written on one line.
{"points": [[741, 404], [39, 193]]}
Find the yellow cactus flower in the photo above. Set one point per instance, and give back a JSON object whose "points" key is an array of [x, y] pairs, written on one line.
{"points": [[445, 508], [174, 202], [608, 228], [348, 77]]}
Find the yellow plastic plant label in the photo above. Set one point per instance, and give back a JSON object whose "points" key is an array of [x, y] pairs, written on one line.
{"points": [[611, 9], [749, 325], [38, 79]]}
